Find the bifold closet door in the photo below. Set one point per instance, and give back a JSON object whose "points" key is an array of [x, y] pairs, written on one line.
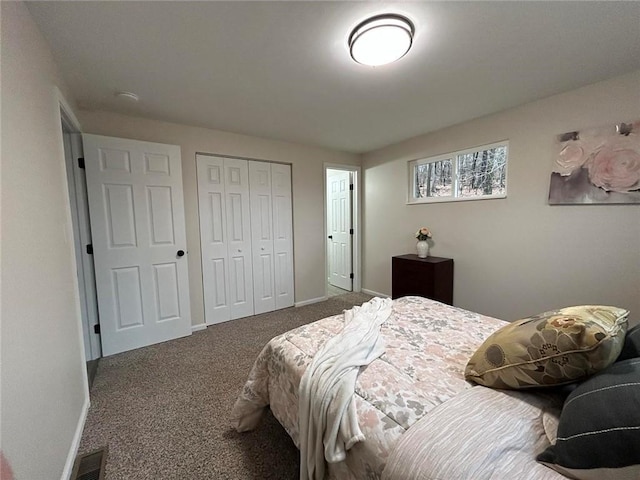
{"points": [[246, 234], [238, 237], [264, 298], [272, 235], [282, 234], [225, 237]]}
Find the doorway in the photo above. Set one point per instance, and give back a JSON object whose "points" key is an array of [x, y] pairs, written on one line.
{"points": [[342, 228], [76, 182]]}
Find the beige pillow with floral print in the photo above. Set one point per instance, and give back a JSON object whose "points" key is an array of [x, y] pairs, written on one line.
{"points": [[552, 348]]}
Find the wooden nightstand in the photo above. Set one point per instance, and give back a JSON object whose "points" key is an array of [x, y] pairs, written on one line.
{"points": [[430, 277]]}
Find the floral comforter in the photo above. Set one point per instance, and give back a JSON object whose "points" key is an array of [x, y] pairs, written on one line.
{"points": [[427, 347]]}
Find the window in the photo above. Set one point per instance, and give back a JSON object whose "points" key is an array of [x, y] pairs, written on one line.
{"points": [[474, 174]]}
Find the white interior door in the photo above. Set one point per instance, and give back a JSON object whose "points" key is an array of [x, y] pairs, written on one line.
{"points": [[339, 228], [262, 237], [225, 237], [139, 242], [282, 234], [239, 237], [213, 238]]}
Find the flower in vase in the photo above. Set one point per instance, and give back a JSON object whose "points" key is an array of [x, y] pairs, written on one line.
{"points": [[423, 234]]}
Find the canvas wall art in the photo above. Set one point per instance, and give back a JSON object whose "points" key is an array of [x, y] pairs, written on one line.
{"points": [[597, 166]]}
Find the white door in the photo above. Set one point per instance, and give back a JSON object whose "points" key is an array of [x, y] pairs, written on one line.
{"points": [[262, 237], [339, 228], [282, 234], [139, 242], [239, 237], [225, 237], [213, 238]]}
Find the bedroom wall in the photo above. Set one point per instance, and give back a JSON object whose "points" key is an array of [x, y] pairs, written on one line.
{"points": [[307, 176], [44, 391], [515, 256]]}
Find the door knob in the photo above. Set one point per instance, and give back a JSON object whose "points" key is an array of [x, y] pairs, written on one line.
{"points": [[180, 253], [331, 237]]}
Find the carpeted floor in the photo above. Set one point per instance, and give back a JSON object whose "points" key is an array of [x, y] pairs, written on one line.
{"points": [[163, 411]]}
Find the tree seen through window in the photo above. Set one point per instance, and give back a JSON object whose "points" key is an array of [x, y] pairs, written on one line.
{"points": [[472, 174]]}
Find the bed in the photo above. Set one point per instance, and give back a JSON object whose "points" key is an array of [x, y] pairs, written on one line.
{"points": [[409, 396]]}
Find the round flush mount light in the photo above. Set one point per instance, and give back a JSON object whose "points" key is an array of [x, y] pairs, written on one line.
{"points": [[381, 39], [132, 97]]}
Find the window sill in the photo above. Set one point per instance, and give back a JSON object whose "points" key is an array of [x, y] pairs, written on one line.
{"points": [[422, 201]]}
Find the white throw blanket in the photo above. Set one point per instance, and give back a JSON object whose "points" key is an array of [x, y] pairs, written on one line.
{"points": [[327, 416]]}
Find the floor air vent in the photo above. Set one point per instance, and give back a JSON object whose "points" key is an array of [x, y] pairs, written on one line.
{"points": [[90, 466]]}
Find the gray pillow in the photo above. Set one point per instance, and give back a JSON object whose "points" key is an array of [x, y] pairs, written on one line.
{"points": [[599, 428], [631, 347]]}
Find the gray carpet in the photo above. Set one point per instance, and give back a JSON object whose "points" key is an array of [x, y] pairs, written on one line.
{"points": [[163, 411]]}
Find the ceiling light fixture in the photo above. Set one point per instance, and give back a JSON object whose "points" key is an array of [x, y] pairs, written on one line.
{"points": [[127, 96], [381, 39]]}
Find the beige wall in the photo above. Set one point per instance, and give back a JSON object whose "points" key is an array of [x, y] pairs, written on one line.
{"points": [[44, 393], [516, 256], [307, 172]]}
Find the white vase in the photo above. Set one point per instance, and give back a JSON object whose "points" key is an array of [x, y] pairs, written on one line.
{"points": [[423, 248]]}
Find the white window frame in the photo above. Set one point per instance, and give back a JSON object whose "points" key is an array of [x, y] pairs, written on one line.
{"points": [[453, 156]]}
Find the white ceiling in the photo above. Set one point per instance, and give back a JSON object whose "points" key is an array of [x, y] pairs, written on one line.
{"points": [[282, 70]]}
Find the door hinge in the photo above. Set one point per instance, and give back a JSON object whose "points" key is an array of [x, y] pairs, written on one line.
{"points": [[351, 231], [96, 329], [90, 249], [81, 162], [351, 186], [351, 276]]}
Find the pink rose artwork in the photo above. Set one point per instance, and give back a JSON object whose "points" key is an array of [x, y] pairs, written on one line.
{"points": [[570, 158], [615, 170], [599, 165]]}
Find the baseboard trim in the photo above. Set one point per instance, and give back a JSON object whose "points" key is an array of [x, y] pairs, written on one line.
{"points": [[197, 328], [311, 301], [374, 293], [75, 444]]}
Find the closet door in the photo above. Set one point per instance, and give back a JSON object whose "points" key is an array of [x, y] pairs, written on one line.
{"points": [[213, 238], [246, 237], [262, 237], [238, 214], [282, 234]]}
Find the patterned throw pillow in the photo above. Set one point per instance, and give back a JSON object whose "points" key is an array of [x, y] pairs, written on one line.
{"points": [[549, 349], [599, 428]]}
